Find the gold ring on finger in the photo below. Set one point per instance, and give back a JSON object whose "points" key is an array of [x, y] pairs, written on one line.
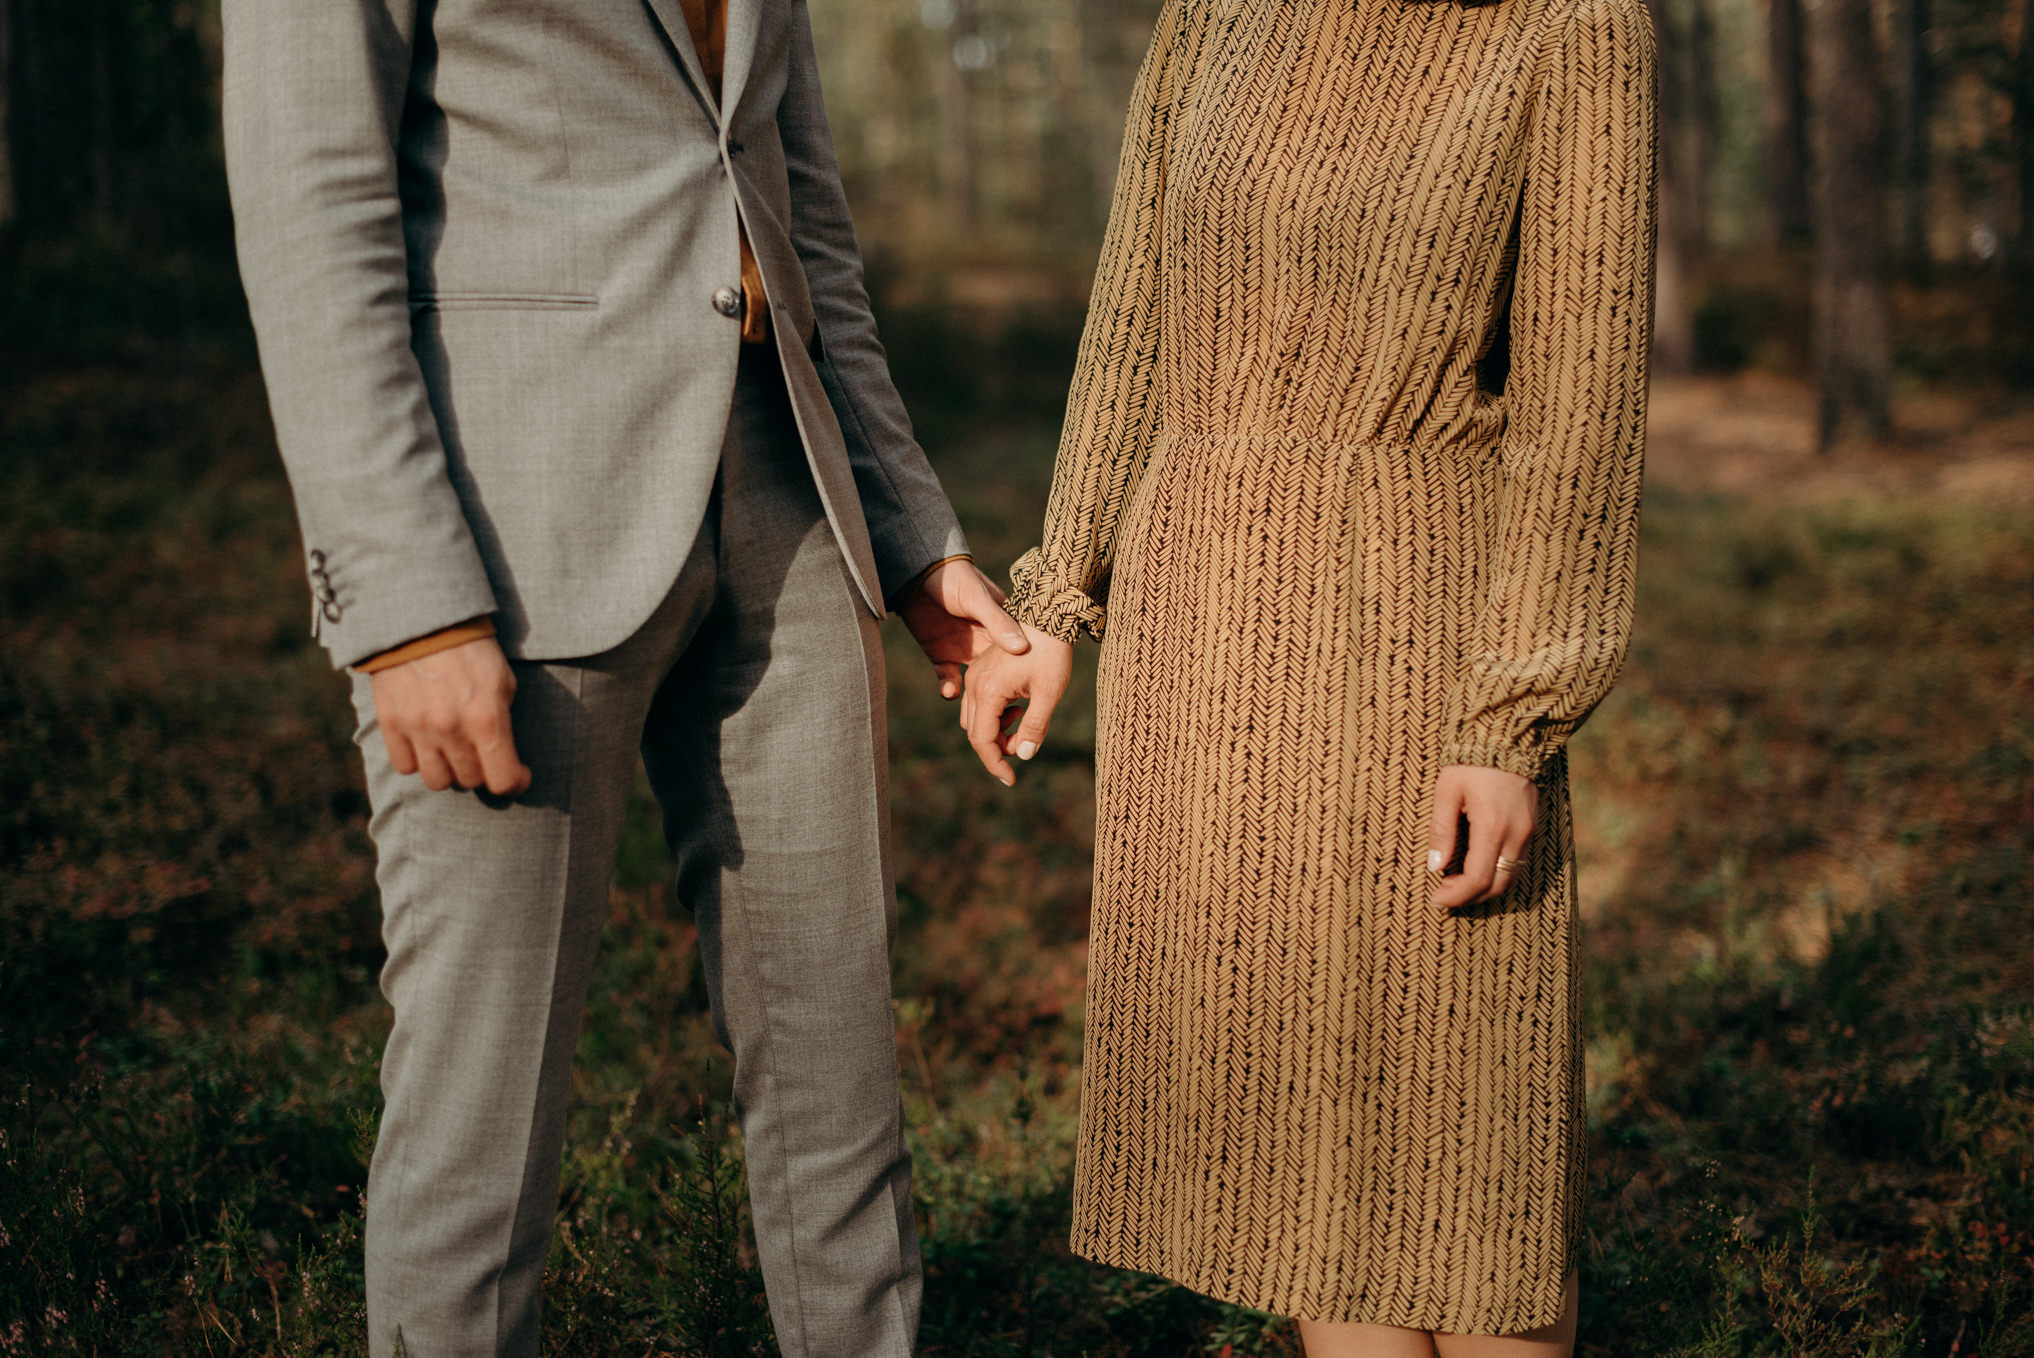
{"points": [[1512, 865]]}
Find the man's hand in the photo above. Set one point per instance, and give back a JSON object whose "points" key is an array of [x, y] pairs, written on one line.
{"points": [[995, 682], [956, 613], [446, 716], [1502, 810]]}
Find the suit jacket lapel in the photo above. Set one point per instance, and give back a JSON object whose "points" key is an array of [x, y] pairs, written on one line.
{"points": [[744, 27], [676, 32]]}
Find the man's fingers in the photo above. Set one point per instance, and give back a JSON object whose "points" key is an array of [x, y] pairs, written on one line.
{"points": [[502, 771], [459, 752], [950, 682], [433, 768], [981, 604], [402, 755]]}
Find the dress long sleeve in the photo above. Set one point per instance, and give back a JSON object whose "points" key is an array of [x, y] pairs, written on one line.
{"points": [[1555, 618], [1113, 408]]}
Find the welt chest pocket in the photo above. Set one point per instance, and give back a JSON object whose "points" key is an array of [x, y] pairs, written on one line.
{"points": [[490, 209]]}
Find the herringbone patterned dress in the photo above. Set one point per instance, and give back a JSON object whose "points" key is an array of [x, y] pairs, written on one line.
{"points": [[1336, 542]]}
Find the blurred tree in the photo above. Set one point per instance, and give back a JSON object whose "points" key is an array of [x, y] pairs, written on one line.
{"points": [[1913, 73], [2023, 129], [1685, 31], [102, 137], [1672, 295], [1853, 361], [1699, 119], [6, 105], [1786, 118], [111, 112], [978, 139]]}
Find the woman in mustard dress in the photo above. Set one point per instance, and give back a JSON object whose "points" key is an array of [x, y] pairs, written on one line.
{"points": [[1349, 491]]}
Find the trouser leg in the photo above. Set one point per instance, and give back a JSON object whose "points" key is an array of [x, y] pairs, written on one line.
{"points": [[766, 750], [491, 913]]}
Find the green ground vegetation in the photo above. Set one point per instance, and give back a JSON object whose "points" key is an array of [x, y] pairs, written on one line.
{"points": [[1805, 820]]}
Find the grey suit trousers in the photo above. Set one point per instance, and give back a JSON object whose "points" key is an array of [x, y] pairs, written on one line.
{"points": [[755, 694]]}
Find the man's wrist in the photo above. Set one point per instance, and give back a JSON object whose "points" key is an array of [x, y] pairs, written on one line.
{"points": [[904, 591], [458, 634]]}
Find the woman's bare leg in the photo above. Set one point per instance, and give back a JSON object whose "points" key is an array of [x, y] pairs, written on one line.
{"points": [[1364, 1341], [1553, 1341], [1388, 1341]]}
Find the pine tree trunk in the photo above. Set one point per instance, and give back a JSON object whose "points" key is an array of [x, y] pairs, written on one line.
{"points": [[957, 137], [1852, 351], [1673, 303], [104, 151], [2023, 129], [1701, 117], [1788, 218], [6, 108], [1913, 92]]}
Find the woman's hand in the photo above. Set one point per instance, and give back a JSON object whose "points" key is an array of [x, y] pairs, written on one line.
{"points": [[1502, 809], [995, 681]]}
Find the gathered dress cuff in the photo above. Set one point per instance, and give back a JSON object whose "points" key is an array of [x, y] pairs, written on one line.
{"points": [[1038, 599], [1527, 761]]}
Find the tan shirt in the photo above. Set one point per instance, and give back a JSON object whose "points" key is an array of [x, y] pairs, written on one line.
{"points": [[708, 21]]}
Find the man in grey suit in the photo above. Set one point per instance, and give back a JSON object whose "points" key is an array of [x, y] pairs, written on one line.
{"points": [[595, 450]]}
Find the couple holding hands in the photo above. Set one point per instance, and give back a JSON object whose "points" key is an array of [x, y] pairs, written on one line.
{"points": [[596, 454]]}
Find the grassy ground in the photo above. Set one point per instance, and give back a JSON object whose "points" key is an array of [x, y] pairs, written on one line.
{"points": [[1805, 820]]}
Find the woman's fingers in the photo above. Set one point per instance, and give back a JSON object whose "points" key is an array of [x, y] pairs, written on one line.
{"points": [[1447, 819], [1441, 834], [985, 724], [1479, 865], [1037, 720], [1511, 858], [1501, 809], [995, 713]]}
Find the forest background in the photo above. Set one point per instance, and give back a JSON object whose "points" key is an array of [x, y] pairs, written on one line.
{"points": [[1804, 815]]}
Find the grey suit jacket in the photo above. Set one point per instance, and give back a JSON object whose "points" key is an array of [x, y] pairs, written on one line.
{"points": [[481, 241]]}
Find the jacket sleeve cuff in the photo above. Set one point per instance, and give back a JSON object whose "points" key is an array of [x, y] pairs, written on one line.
{"points": [[360, 613], [1056, 609]]}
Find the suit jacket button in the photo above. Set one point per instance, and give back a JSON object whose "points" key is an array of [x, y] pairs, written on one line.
{"points": [[331, 611], [728, 302]]}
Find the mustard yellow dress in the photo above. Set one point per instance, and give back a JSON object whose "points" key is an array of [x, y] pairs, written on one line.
{"points": [[1349, 485]]}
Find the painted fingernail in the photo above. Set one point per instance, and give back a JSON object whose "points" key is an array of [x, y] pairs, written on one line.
{"points": [[1027, 749], [1434, 860]]}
